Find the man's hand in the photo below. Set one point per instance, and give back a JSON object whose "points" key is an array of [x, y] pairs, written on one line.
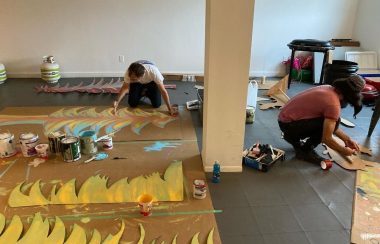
{"points": [[115, 105], [352, 144], [348, 151]]}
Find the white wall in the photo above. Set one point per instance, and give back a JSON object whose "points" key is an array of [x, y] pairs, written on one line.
{"points": [[87, 36], [276, 23], [367, 29]]}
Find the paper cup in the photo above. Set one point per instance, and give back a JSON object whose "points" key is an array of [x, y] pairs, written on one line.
{"points": [[42, 150], [145, 204]]}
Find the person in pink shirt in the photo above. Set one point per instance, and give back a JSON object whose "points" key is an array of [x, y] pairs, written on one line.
{"points": [[313, 116]]}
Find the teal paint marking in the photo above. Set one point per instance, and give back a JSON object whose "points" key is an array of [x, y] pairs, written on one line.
{"points": [[114, 214], [159, 145]]}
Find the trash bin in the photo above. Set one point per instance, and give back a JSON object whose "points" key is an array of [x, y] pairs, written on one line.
{"points": [[339, 69]]}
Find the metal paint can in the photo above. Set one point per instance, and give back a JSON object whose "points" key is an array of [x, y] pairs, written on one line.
{"points": [[28, 142], [70, 149], [7, 145], [88, 143], [106, 143], [55, 141]]}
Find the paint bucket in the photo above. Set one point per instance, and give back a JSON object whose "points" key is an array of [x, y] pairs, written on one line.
{"points": [[55, 141], [106, 143], [70, 149], [145, 204], [42, 150], [199, 189], [249, 115], [88, 143], [7, 145], [28, 143]]}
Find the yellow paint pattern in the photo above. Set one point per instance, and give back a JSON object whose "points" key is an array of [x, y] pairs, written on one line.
{"points": [[57, 235], [142, 234], [38, 231], [13, 231], [77, 236], [114, 239], [2, 223], [96, 237], [94, 190], [195, 240], [210, 237]]}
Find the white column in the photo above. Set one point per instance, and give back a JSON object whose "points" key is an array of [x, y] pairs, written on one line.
{"points": [[227, 59]]}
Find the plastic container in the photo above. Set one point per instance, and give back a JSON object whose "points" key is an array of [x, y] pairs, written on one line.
{"points": [[3, 74], [50, 70]]}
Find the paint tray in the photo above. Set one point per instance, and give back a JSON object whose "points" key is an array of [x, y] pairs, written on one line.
{"points": [[265, 163]]}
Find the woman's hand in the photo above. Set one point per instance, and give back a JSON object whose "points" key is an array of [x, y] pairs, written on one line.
{"points": [[115, 105], [173, 110]]}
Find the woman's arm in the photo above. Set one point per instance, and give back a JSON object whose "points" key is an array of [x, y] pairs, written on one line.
{"points": [[124, 89], [327, 138]]}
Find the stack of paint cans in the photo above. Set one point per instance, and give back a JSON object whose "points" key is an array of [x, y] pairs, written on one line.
{"points": [[28, 142], [199, 189], [7, 145], [70, 149], [55, 141]]}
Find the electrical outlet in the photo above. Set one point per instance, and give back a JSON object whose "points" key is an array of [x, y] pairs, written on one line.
{"points": [[121, 59]]}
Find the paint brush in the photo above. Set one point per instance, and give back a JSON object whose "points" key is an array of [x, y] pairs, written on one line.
{"points": [[107, 135], [272, 155]]}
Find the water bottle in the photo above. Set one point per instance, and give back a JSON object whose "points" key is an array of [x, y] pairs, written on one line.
{"points": [[216, 173]]}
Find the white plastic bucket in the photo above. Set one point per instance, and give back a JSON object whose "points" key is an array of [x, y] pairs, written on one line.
{"points": [[50, 70], [3, 74]]}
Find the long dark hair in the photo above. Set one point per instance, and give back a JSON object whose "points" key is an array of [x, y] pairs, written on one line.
{"points": [[351, 88]]}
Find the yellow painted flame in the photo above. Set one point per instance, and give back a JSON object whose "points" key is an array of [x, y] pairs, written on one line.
{"points": [[95, 190]]}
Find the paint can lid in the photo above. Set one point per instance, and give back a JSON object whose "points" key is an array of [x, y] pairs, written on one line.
{"points": [[69, 139], [5, 135], [28, 136], [56, 134]]}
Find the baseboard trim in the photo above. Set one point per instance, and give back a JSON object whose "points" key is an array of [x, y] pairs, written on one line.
{"points": [[225, 168], [177, 76]]}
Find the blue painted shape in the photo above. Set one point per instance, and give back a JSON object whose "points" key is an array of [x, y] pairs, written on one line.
{"points": [[159, 145], [101, 156]]}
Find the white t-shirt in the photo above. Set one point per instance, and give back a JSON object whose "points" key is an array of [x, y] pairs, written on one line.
{"points": [[151, 74]]}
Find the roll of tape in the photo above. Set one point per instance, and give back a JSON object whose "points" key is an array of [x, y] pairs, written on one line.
{"points": [[326, 164]]}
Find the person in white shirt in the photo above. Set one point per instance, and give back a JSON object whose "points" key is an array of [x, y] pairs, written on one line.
{"points": [[143, 78]]}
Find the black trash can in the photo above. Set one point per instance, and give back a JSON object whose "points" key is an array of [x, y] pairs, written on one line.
{"points": [[339, 69]]}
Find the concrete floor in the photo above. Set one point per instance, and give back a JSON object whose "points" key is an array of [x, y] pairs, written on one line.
{"points": [[295, 202]]}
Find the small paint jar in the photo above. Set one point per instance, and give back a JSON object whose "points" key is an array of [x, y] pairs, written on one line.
{"points": [[199, 189], [106, 143], [42, 150]]}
